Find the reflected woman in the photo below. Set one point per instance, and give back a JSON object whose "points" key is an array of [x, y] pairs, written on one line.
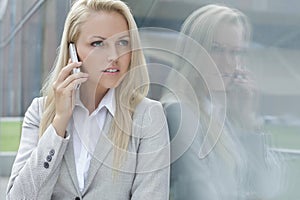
{"points": [[227, 157]]}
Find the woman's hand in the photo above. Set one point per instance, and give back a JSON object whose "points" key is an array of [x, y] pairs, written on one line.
{"points": [[242, 97], [242, 86], [64, 92]]}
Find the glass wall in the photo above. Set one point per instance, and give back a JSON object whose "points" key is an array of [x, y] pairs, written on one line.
{"points": [[272, 57], [30, 32]]}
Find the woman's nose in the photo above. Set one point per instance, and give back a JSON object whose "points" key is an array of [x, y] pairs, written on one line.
{"points": [[231, 61], [112, 53]]}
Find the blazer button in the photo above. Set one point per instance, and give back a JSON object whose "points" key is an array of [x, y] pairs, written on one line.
{"points": [[46, 165], [52, 152], [77, 198], [49, 158]]}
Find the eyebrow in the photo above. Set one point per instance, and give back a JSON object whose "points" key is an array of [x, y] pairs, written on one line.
{"points": [[103, 38], [123, 36]]}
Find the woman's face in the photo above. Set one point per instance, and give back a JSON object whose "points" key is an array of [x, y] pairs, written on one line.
{"points": [[104, 48], [227, 48]]}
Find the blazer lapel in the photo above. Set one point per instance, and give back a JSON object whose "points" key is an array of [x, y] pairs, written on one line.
{"points": [[70, 160], [103, 148]]}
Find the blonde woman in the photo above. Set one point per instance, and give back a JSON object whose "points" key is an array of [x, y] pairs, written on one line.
{"points": [[221, 160], [94, 134], [225, 34]]}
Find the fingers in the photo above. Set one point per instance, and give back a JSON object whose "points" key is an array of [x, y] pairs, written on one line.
{"points": [[70, 83], [244, 73], [66, 71], [67, 81], [71, 78]]}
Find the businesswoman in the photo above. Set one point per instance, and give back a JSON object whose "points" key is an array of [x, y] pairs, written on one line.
{"points": [[94, 134]]}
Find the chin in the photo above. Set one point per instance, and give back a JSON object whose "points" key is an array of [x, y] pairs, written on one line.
{"points": [[109, 85]]}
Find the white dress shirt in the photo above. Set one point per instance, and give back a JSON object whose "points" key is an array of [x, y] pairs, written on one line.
{"points": [[87, 130]]}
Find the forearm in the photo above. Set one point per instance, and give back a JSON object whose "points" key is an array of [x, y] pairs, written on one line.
{"points": [[60, 125], [40, 167]]}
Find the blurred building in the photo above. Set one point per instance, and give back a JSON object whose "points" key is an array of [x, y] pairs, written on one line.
{"points": [[29, 35], [30, 32]]}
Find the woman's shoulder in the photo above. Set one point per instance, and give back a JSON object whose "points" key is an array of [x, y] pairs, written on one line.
{"points": [[36, 107], [147, 108], [147, 103], [38, 102]]}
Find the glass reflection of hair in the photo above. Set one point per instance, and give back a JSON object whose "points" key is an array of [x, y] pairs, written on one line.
{"points": [[192, 63], [200, 27], [225, 34]]}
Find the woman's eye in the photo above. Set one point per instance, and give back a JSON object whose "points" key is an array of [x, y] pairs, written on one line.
{"points": [[97, 43], [123, 42]]}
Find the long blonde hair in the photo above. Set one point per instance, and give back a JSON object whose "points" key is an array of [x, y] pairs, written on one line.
{"points": [[194, 45], [203, 22], [131, 90]]}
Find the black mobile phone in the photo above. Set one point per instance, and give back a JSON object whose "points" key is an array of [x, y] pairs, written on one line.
{"points": [[73, 56]]}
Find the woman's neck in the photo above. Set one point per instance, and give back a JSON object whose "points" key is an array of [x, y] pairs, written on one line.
{"points": [[91, 96]]}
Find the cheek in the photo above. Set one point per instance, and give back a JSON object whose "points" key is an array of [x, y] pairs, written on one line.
{"points": [[89, 54], [125, 60], [82, 52], [94, 62], [218, 60]]}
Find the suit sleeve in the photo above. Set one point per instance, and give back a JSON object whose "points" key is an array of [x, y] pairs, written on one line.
{"points": [[151, 180], [190, 175], [38, 160]]}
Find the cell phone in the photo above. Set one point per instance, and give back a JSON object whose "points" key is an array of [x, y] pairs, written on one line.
{"points": [[73, 56]]}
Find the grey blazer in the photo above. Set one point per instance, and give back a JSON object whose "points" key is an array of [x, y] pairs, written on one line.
{"points": [[45, 168], [192, 178]]}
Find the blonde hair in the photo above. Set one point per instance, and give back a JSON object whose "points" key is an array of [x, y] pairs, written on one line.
{"points": [[199, 28], [202, 23], [131, 90]]}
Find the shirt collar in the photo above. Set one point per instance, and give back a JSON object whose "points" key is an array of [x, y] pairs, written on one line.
{"points": [[108, 101]]}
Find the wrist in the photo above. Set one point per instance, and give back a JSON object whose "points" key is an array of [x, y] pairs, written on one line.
{"points": [[60, 125]]}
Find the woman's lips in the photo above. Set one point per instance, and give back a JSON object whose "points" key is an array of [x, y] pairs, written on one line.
{"points": [[111, 70]]}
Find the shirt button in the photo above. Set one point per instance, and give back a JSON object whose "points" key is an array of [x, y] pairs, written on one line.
{"points": [[46, 165], [77, 198], [52, 152], [49, 158]]}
